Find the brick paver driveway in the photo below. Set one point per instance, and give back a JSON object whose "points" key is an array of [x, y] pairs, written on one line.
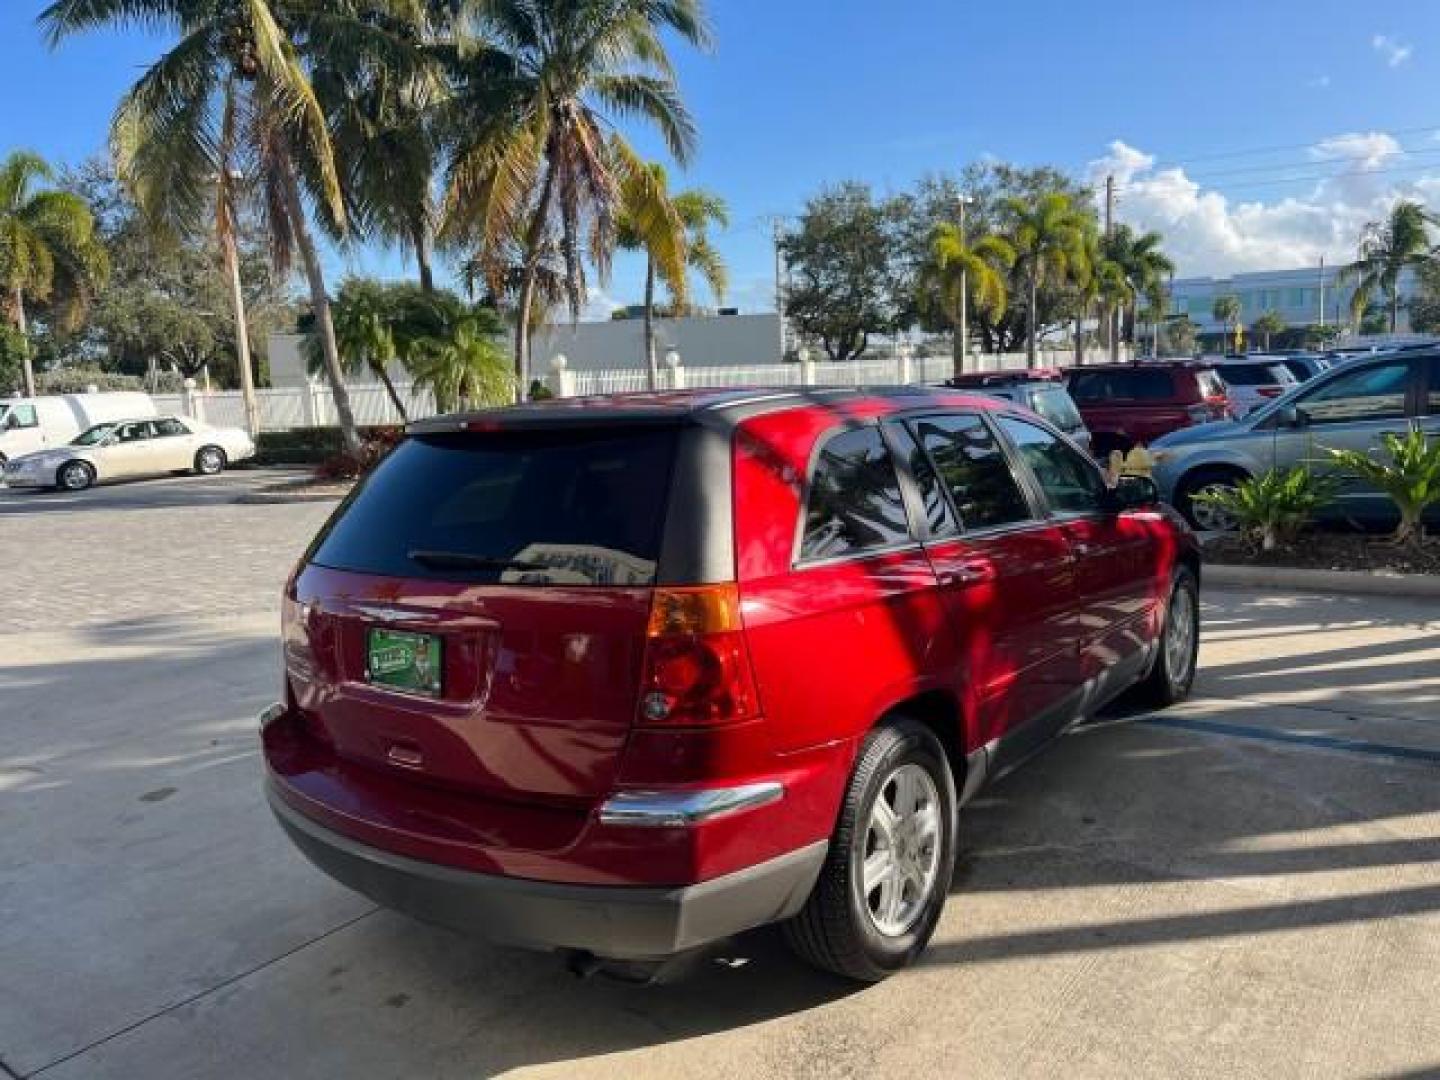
{"points": [[1245, 888]]}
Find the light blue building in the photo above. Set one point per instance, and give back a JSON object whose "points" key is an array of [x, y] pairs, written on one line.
{"points": [[1294, 294]]}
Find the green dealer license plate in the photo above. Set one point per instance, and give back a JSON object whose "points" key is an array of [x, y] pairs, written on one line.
{"points": [[404, 661]]}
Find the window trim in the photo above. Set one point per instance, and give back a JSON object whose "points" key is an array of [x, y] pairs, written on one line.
{"points": [[911, 543]]}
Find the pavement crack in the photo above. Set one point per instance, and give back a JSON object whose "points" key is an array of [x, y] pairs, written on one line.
{"points": [[174, 1005]]}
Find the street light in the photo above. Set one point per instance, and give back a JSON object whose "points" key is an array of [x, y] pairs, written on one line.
{"points": [[964, 328]]}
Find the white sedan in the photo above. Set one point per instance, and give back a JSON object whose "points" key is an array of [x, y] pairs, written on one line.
{"points": [[123, 449]]}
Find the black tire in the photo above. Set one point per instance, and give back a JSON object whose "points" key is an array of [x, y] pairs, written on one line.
{"points": [[74, 476], [1195, 482], [210, 461], [1169, 682], [836, 930]]}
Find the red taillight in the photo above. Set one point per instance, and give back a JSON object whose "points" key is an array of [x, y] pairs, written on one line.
{"points": [[697, 669], [1269, 391]]}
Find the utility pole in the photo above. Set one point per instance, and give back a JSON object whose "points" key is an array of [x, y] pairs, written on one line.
{"points": [[1322, 292], [779, 235], [964, 328], [1114, 327]]}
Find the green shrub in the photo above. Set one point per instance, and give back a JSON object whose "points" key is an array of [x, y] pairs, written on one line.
{"points": [[77, 380], [1411, 478], [1275, 508], [309, 446]]}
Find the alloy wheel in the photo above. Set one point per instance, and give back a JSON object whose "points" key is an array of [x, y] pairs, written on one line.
{"points": [[901, 855]]}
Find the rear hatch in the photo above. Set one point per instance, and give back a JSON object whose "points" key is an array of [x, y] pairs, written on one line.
{"points": [[475, 615]]}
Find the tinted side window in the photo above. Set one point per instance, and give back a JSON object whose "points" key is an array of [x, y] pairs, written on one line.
{"points": [[132, 432], [1376, 393], [168, 427], [934, 505], [1071, 483], [1435, 387], [1054, 404], [23, 416], [855, 503], [974, 470]]}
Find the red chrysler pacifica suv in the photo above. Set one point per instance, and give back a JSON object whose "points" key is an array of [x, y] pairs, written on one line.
{"points": [[622, 677]]}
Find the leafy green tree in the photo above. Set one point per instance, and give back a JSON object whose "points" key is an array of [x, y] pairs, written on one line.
{"points": [[1226, 310], [1267, 325], [48, 248], [959, 275], [848, 274], [1387, 249], [364, 312], [1145, 268], [1411, 478], [1321, 337], [1181, 336], [234, 96], [13, 350], [1048, 237], [673, 234], [537, 159], [465, 365]]}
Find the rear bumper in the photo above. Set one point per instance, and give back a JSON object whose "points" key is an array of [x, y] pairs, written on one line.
{"points": [[614, 922]]}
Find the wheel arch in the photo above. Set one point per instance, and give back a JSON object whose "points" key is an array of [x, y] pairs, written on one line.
{"points": [[941, 712]]}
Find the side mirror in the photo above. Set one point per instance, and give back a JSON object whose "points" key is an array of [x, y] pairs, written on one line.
{"points": [[1291, 416], [1134, 493]]}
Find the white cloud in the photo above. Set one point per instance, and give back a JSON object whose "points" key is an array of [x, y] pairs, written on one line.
{"points": [[1393, 51], [598, 305], [1209, 232]]}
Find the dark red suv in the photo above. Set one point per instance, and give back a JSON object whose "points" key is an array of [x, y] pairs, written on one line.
{"points": [[622, 677], [1128, 405]]}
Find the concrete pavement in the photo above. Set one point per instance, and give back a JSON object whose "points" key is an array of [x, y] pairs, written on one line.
{"points": [[1244, 887]]}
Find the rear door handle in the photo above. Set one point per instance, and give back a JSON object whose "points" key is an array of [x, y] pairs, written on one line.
{"points": [[969, 573]]}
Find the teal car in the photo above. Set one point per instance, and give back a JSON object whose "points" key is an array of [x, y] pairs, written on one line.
{"points": [[1349, 407]]}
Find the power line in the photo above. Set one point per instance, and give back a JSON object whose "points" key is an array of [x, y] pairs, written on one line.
{"points": [[1299, 178], [1275, 149]]}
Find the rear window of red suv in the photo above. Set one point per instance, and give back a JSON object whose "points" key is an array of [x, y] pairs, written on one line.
{"points": [[1139, 384], [573, 507]]}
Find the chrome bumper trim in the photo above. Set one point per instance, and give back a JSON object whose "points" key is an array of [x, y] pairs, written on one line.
{"points": [[678, 809]]}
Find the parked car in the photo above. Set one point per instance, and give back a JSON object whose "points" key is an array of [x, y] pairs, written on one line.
{"points": [[550, 674], [1128, 405], [1251, 381], [1042, 392], [131, 448], [31, 424], [1304, 365], [1350, 406]]}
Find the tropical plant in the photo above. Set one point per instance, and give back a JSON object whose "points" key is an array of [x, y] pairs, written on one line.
{"points": [[232, 106], [1411, 478], [1322, 337], [1180, 336], [1273, 509], [364, 314], [958, 274], [536, 157], [1268, 324], [48, 249], [1145, 269], [673, 234], [1048, 237], [466, 365], [1226, 311], [1387, 249]]}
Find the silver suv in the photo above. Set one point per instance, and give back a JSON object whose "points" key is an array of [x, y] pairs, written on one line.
{"points": [[1348, 407]]}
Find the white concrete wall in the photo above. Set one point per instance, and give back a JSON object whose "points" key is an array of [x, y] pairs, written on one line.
{"points": [[715, 341]]}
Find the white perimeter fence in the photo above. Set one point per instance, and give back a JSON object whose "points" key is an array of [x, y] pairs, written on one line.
{"points": [[312, 405]]}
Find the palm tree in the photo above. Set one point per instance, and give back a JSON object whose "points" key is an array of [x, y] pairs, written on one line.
{"points": [[1270, 322], [957, 274], [1386, 249], [1226, 310], [672, 232], [1048, 237], [48, 247], [364, 313], [245, 69], [465, 365], [1146, 269], [538, 158]]}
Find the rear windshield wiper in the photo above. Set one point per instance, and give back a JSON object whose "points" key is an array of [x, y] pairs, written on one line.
{"points": [[459, 560]]}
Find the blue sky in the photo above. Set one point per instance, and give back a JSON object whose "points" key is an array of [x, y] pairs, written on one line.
{"points": [[799, 93]]}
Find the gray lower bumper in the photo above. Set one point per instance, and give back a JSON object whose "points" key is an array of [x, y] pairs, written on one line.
{"points": [[613, 922]]}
